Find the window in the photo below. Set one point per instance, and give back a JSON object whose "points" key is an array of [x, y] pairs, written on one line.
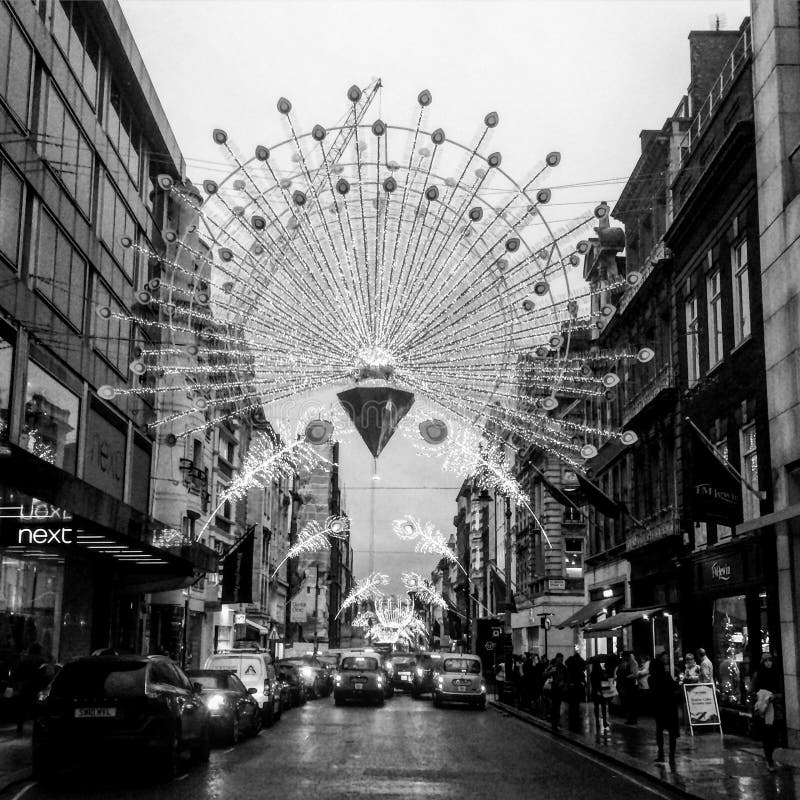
{"points": [[74, 35], [751, 504], [114, 222], [6, 365], [111, 336], [15, 66], [10, 212], [741, 292], [50, 430], [66, 149], [124, 133], [714, 297], [692, 343], [60, 271], [573, 557]]}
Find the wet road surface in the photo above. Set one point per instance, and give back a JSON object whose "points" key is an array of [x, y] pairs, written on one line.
{"points": [[405, 749]]}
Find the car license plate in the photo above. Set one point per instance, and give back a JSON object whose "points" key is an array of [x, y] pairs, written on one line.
{"points": [[462, 688], [95, 712], [405, 676], [359, 686]]}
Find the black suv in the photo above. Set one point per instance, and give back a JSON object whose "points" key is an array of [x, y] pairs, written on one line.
{"points": [[142, 708]]}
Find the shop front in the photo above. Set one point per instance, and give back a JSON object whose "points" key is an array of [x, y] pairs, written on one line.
{"points": [[734, 617]]}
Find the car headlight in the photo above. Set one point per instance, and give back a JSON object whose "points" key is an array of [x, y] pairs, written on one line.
{"points": [[338, 679], [380, 681], [215, 702], [307, 672], [420, 671], [440, 679], [483, 688]]}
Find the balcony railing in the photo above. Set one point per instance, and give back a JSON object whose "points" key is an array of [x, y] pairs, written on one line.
{"points": [[662, 381], [739, 56], [194, 478], [660, 252]]}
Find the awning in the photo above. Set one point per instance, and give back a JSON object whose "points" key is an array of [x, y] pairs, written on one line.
{"points": [[612, 626], [259, 629], [590, 610]]}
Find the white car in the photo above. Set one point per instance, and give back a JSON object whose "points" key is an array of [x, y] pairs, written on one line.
{"points": [[459, 680], [254, 669]]}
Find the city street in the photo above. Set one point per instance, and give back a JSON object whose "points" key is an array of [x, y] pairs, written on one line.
{"points": [[405, 749]]}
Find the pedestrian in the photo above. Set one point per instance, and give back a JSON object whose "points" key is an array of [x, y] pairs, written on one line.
{"points": [[527, 682], [600, 685], [627, 685], [664, 692], [516, 679], [576, 688], [706, 667], [27, 681], [556, 676], [643, 687], [538, 679], [768, 711], [691, 670]]}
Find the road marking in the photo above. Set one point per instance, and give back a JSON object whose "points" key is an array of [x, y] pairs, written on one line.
{"points": [[182, 777], [23, 791], [229, 750]]}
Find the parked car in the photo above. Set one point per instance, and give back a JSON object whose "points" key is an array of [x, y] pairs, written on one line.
{"points": [[136, 707], [233, 709], [460, 680], [255, 670], [360, 677], [427, 666], [291, 675], [314, 672], [404, 666], [331, 662]]}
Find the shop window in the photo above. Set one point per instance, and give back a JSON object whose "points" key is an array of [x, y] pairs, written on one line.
{"points": [[732, 649], [31, 587], [692, 341], [50, 429], [714, 299], [6, 365], [751, 504], [60, 271], [74, 35], [16, 64], [114, 222], [140, 474], [11, 195], [741, 292], [112, 336], [66, 149]]}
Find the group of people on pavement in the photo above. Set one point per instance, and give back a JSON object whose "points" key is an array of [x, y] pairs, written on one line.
{"points": [[542, 685]]}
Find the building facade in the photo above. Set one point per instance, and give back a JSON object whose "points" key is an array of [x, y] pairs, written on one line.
{"points": [[82, 139]]}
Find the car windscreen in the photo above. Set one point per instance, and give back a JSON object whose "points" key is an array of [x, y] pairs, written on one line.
{"points": [[403, 664], [462, 665], [100, 679], [211, 681], [359, 663], [428, 661]]}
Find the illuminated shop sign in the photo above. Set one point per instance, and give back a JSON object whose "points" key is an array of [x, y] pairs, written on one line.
{"points": [[37, 523]]}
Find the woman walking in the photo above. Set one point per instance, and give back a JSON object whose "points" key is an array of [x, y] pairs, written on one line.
{"points": [[664, 692], [600, 685], [768, 687]]}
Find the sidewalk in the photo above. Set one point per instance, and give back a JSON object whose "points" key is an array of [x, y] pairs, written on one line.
{"points": [[707, 766], [15, 755]]}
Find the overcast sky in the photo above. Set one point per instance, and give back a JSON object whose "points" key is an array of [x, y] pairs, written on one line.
{"points": [[579, 77]]}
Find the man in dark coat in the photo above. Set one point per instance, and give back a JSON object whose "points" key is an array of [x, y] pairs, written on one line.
{"points": [[664, 691], [576, 688]]}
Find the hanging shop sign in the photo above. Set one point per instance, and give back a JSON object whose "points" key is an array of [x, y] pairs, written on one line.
{"points": [[701, 705]]}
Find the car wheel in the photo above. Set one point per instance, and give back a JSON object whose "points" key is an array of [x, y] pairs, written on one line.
{"points": [[380, 701], [258, 723], [44, 768], [437, 701], [414, 694], [339, 701], [279, 712], [482, 704], [268, 715], [202, 751]]}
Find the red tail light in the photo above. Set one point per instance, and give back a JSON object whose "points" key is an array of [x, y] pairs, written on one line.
{"points": [[266, 688]]}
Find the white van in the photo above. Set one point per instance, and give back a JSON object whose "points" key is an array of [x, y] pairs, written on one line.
{"points": [[254, 668]]}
